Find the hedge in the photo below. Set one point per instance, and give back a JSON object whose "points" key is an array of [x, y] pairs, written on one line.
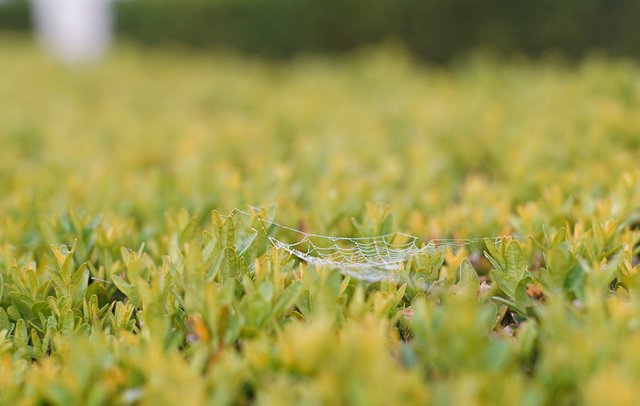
{"points": [[433, 30]]}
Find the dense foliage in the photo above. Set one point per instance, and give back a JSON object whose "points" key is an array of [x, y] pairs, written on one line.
{"points": [[433, 30], [122, 280]]}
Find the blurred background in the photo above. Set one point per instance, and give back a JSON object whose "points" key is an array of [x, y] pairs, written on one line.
{"points": [[466, 118], [432, 30]]}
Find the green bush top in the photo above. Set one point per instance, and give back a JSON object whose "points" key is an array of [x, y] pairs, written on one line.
{"points": [[119, 283]]}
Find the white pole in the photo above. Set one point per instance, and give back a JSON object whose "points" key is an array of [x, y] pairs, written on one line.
{"points": [[75, 31]]}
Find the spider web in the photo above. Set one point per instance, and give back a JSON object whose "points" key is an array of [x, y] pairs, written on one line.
{"points": [[372, 259]]}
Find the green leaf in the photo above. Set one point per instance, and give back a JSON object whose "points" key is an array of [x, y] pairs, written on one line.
{"points": [[21, 336], [513, 272], [218, 225], [527, 335], [126, 288], [22, 303], [232, 265], [125, 254], [494, 256], [362, 231], [345, 284], [521, 298], [598, 234], [468, 276], [233, 330], [80, 281], [487, 316], [43, 290], [256, 311], [214, 267], [246, 243], [387, 225], [13, 313], [122, 285], [35, 339], [189, 232], [5, 324], [574, 281], [96, 288], [67, 322], [495, 264], [287, 299], [231, 233], [430, 262], [266, 290], [515, 261], [504, 282], [511, 304], [66, 266], [601, 278], [41, 307], [52, 324]]}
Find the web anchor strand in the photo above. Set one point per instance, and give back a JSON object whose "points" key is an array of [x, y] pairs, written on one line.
{"points": [[372, 259]]}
